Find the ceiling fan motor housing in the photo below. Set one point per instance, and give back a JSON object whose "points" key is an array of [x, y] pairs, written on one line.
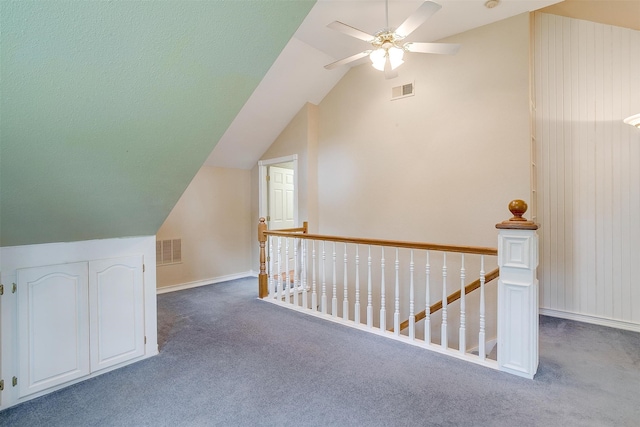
{"points": [[387, 52]]}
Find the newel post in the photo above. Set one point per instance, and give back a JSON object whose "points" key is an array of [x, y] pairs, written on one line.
{"points": [[263, 287], [518, 293]]}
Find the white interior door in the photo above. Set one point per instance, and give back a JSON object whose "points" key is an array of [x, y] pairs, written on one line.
{"points": [[53, 326], [281, 198]]}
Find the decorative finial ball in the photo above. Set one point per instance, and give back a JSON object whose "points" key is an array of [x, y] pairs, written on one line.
{"points": [[518, 208]]}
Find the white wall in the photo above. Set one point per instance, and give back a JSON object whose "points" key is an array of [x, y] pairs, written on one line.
{"points": [[213, 219], [588, 161], [440, 166], [300, 137]]}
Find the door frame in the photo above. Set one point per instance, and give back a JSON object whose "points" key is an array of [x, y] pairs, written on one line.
{"points": [[263, 193]]}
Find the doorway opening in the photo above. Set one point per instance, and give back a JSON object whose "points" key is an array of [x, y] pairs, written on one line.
{"points": [[278, 192]]}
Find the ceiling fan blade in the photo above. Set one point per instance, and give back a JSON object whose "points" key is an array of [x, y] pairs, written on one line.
{"points": [[347, 60], [424, 12], [389, 73], [350, 31], [441, 48]]}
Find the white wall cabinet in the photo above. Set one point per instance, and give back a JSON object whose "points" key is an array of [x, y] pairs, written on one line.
{"points": [[76, 319], [117, 311], [53, 326], [82, 309]]}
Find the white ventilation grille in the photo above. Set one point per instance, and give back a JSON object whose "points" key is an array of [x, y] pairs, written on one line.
{"points": [[402, 91], [168, 251]]}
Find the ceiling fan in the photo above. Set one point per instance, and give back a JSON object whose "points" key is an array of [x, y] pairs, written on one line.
{"points": [[387, 51]]}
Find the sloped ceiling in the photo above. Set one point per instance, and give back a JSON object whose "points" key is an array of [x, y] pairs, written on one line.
{"points": [[108, 109], [298, 75], [620, 13]]}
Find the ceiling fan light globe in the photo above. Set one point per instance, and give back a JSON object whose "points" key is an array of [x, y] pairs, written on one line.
{"points": [[395, 57], [378, 59], [633, 120]]}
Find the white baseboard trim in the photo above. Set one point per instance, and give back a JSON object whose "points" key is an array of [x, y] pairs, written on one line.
{"points": [[198, 283], [602, 321]]}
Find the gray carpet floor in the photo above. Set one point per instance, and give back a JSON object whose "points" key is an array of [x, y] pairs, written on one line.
{"points": [[228, 359]]}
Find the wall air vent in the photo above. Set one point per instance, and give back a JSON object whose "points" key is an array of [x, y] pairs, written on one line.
{"points": [[168, 251], [402, 91]]}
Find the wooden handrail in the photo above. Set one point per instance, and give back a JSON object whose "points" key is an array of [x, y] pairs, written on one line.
{"points": [[263, 280], [451, 298], [263, 233], [303, 229], [394, 243]]}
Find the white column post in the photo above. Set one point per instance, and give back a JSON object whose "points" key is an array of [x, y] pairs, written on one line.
{"points": [[518, 293]]}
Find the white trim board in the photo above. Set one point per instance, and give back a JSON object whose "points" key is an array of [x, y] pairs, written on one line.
{"points": [[611, 323], [489, 363], [198, 283]]}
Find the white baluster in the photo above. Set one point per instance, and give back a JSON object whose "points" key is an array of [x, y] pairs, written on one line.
{"points": [[383, 312], [369, 293], [463, 315], [396, 311], [296, 280], [323, 297], [444, 338], [303, 269], [481, 338], [287, 276], [314, 294], [271, 280], [427, 310], [279, 275], [412, 316], [334, 290], [356, 316], [345, 301]]}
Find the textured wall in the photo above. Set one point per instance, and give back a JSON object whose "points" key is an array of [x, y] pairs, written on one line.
{"points": [[108, 109]]}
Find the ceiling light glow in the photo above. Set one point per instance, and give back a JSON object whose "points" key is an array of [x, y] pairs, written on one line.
{"points": [[633, 120]]}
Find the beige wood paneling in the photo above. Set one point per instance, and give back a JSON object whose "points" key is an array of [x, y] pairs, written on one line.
{"points": [[588, 161]]}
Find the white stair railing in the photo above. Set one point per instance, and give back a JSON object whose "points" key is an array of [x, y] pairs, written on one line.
{"points": [[457, 324]]}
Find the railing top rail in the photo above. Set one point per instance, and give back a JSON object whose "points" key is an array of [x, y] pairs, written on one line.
{"points": [[291, 230], [392, 243]]}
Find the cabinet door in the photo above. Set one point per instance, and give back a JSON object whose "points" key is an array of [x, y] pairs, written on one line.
{"points": [[53, 326], [117, 311]]}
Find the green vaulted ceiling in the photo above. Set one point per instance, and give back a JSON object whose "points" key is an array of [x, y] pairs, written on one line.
{"points": [[108, 109]]}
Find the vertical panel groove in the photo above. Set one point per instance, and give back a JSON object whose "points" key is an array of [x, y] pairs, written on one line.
{"points": [[587, 166]]}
